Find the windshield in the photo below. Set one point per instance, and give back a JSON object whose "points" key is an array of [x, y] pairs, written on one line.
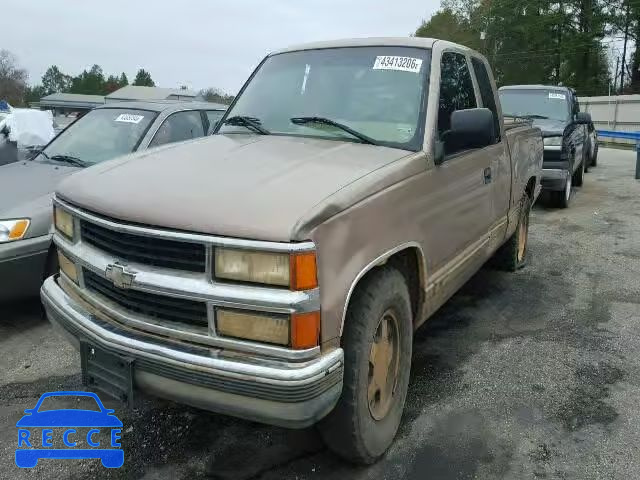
{"points": [[543, 103], [101, 135], [76, 402], [378, 92]]}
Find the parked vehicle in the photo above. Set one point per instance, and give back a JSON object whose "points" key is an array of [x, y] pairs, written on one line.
{"points": [[26, 253], [556, 111], [21, 131], [276, 271]]}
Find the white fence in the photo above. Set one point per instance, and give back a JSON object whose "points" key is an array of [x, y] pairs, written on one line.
{"points": [[620, 113]]}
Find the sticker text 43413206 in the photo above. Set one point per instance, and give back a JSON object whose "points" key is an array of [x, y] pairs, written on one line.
{"points": [[403, 64]]}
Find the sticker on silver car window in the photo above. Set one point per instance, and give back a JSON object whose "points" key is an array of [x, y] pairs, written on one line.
{"points": [[403, 64], [557, 96], [129, 118]]}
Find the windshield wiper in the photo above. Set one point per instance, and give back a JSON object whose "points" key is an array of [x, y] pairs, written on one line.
{"points": [[327, 121], [75, 161], [540, 117], [249, 122]]}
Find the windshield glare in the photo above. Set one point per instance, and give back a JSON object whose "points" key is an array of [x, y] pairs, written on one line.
{"points": [[102, 134], [545, 103], [376, 91]]}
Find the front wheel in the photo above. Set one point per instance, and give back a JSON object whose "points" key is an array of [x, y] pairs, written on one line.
{"points": [[578, 176], [377, 353]]}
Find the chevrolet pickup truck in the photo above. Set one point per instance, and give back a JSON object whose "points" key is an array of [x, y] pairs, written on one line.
{"points": [[276, 271], [567, 151]]}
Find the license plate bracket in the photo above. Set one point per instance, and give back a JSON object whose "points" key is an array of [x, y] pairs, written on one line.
{"points": [[107, 372]]}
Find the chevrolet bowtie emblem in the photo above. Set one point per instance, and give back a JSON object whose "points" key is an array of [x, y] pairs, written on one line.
{"points": [[120, 275]]}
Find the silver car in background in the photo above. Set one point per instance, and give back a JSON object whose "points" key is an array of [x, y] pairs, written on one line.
{"points": [[26, 252]]}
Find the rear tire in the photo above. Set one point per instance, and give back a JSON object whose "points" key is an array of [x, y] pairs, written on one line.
{"points": [[594, 160], [513, 255], [578, 176], [377, 354]]}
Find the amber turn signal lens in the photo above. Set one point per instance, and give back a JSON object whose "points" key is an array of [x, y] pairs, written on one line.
{"points": [[303, 273], [305, 330], [19, 229]]}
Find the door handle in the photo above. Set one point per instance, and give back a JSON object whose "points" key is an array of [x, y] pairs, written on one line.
{"points": [[487, 175]]}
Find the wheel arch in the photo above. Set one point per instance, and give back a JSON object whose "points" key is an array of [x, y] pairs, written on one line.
{"points": [[530, 188], [409, 258]]}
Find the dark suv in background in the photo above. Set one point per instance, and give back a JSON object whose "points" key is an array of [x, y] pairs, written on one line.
{"points": [[555, 110]]}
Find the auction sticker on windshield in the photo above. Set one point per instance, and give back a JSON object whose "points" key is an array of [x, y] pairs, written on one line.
{"points": [[129, 118], [403, 64], [557, 96]]}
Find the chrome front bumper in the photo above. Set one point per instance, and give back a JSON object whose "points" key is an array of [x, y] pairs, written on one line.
{"points": [[277, 392]]}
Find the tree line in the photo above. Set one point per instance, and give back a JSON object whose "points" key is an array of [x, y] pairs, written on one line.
{"points": [[88, 82], [15, 89], [569, 42]]}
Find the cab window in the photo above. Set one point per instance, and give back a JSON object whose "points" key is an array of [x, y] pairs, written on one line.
{"points": [[486, 92], [178, 127], [456, 89]]}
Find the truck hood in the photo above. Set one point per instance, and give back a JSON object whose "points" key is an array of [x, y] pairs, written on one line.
{"points": [[247, 186], [24, 184], [550, 127]]}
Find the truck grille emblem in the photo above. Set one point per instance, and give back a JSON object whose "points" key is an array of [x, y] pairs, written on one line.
{"points": [[120, 275]]}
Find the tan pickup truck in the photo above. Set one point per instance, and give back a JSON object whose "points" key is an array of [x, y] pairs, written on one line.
{"points": [[277, 270]]}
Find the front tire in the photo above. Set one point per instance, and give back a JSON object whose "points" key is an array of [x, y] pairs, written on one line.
{"points": [[578, 176], [562, 198], [377, 344]]}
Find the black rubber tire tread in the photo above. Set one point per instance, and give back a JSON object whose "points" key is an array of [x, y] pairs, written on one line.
{"points": [[349, 430], [578, 175], [506, 258], [51, 266], [559, 200], [594, 160]]}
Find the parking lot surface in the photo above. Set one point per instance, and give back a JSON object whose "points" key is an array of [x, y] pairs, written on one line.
{"points": [[528, 375]]}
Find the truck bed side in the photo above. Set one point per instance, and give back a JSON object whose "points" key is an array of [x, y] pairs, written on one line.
{"points": [[526, 150]]}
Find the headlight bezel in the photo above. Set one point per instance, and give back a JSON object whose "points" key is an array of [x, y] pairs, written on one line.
{"points": [[68, 223], [68, 266], [555, 141], [14, 228]]}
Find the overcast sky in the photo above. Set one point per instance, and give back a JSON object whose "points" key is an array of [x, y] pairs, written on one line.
{"points": [[198, 43]]}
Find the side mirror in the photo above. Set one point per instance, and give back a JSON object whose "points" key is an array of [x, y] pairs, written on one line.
{"points": [[583, 118], [471, 128]]}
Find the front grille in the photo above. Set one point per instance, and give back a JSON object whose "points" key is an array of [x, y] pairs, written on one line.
{"points": [[155, 306], [150, 251]]}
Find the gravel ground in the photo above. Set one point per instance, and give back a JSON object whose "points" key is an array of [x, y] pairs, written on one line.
{"points": [[527, 375]]}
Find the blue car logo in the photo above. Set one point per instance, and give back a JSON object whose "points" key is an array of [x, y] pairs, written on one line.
{"points": [[93, 433]]}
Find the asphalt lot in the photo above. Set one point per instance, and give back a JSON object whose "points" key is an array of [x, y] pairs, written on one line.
{"points": [[527, 375]]}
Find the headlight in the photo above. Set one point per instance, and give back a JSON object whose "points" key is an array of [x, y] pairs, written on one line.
{"points": [[258, 327], [63, 222], [298, 331], [553, 141], [296, 271], [11, 230], [67, 267]]}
